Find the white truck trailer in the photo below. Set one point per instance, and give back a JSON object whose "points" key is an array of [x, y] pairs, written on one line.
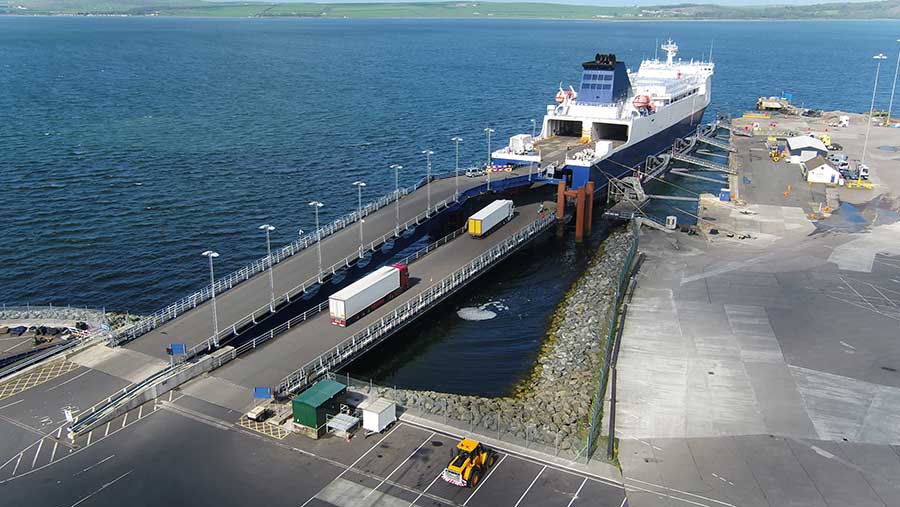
{"points": [[367, 293], [490, 217]]}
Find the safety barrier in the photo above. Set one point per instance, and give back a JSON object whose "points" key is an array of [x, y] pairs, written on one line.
{"points": [[283, 328], [597, 408], [226, 282], [374, 333]]}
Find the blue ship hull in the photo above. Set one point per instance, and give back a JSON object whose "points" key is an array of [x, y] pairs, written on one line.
{"points": [[620, 164]]}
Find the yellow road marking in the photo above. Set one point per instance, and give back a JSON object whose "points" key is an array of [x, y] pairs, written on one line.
{"points": [[269, 430], [35, 378]]}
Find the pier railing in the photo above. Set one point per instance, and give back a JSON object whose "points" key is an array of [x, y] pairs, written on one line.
{"points": [[625, 273], [293, 322], [376, 332], [228, 281]]}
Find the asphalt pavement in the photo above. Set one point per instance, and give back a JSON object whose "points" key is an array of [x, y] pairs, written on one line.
{"points": [[195, 326]]}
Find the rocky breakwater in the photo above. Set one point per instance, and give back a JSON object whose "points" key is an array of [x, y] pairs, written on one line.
{"points": [[553, 406]]}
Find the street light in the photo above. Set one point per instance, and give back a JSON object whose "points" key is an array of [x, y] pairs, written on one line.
{"points": [[487, 166], [428, 154], [878, 57], [396, 168], [359, 186], [316, 205], [457, 140], [269, 228], [894, 87], [212, 283], [533, 128]]}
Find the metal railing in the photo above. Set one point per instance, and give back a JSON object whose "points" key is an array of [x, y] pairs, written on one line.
{"points": [[478, 424], [208, 343], [223, 284], [283, 328], [228, 281], [373, 334], [593, 434], [315, 280]]}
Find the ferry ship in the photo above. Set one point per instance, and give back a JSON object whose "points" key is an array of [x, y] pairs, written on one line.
{"points": [[615, 120]]}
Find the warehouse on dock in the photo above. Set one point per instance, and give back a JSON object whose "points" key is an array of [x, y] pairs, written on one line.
{"points": [[819, 170], [804, 148]]}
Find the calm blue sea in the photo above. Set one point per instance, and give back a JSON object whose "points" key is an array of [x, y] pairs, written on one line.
{"points": [[129, 145]]}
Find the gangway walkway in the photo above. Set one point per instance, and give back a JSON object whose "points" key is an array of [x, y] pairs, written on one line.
{"points": [[316, 345], [718, 143], [250, 300], [702, 162]]}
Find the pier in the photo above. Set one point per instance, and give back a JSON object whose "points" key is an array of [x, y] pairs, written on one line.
{"points": [[245, 301]]}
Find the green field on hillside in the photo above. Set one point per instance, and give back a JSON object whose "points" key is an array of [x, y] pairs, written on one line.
{"points": [[889, 9]]}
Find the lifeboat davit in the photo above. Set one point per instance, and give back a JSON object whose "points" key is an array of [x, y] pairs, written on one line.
{"points": [[560, 96]]}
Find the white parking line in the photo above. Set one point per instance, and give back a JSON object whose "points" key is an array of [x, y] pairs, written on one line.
{"points": [[105, 433], [90, 434], [108, 484], [426, 489], [16, 345], [17, 464], [485, 479], [76, 377], [140, 411], [402, 463], [125, 419], [536, 477], [53, 454], [357, 460], [11, 404], [579, 491], [36, 454], [623, 502]]}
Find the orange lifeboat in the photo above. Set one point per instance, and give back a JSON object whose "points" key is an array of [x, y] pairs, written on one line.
{"points": [[560, 96], [643, 102]]}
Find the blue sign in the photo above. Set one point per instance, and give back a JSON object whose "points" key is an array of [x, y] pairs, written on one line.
{"points": [[178, 349], [262, 393]]}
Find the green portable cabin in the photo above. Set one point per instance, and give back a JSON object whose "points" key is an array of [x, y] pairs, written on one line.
{"points": [[311, 407]]}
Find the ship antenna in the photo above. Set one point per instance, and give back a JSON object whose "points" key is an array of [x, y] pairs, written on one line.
{"points": [[710, 51], [656, 49]]}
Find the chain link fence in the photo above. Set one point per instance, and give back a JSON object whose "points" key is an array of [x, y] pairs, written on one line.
{"points": [[595, 428]]}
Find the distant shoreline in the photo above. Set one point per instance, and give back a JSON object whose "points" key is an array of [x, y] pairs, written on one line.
{"points": [[446, 18]]}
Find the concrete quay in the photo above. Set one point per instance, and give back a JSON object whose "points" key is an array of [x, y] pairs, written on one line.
{"points": [[765, 371]]}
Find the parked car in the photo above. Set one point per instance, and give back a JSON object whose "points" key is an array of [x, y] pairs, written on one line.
{"points": [[835, 147], [474, 172]]}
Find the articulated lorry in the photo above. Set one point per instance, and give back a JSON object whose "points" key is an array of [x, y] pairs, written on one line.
{"points": [[367, 294], [489, 217]]}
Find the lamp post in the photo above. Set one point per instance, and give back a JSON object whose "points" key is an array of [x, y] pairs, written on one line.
{"points": [[533, 128], [487, 166], [428, 154], [359, 186], [878, 57], [269, 228], [457, 140], [212, 284], [316, 205], [396, 168], [893, 88]]}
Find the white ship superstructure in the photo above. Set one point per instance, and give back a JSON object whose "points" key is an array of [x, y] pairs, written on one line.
{"points": [[616, 118]]}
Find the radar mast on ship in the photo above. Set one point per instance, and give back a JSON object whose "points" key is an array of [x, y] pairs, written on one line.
{"points": [[671, 50]]}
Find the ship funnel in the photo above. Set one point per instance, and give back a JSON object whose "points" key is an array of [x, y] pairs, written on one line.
{"points": [[604, 80]]}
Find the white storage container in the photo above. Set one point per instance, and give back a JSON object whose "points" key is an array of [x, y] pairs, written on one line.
{"points": [[356, 297], [378, 414], [488, 217], [518, 144]]}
